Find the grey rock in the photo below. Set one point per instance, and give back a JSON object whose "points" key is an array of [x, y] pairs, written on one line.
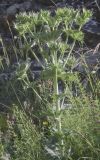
{"points": [[15, 8], [88, 62], [92, 27], [27, 5], [48, 2], [12, 10]]}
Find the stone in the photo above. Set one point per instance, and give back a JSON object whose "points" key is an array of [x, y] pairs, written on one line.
{"points": [[92, 33], [16, 8], [49, 2], [26, 6], [92, 27], [89, 62], [12, 10]]}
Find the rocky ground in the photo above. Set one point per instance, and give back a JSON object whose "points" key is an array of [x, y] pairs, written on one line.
{"points": [[9, 9]]}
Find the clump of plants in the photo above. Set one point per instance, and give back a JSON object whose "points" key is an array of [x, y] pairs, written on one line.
{"points": [[63, 113]]}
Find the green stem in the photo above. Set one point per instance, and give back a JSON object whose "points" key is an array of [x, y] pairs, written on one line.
{"points": [[58, 107], [57, 99], [56, 90]]}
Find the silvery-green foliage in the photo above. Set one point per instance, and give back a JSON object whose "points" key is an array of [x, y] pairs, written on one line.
{"points": [[55, 37]]}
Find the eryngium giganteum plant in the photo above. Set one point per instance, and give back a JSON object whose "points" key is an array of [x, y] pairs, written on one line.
{"points": [[55, 37]]}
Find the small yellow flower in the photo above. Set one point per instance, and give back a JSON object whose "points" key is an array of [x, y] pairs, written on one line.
{"points": [[45, 123]]}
